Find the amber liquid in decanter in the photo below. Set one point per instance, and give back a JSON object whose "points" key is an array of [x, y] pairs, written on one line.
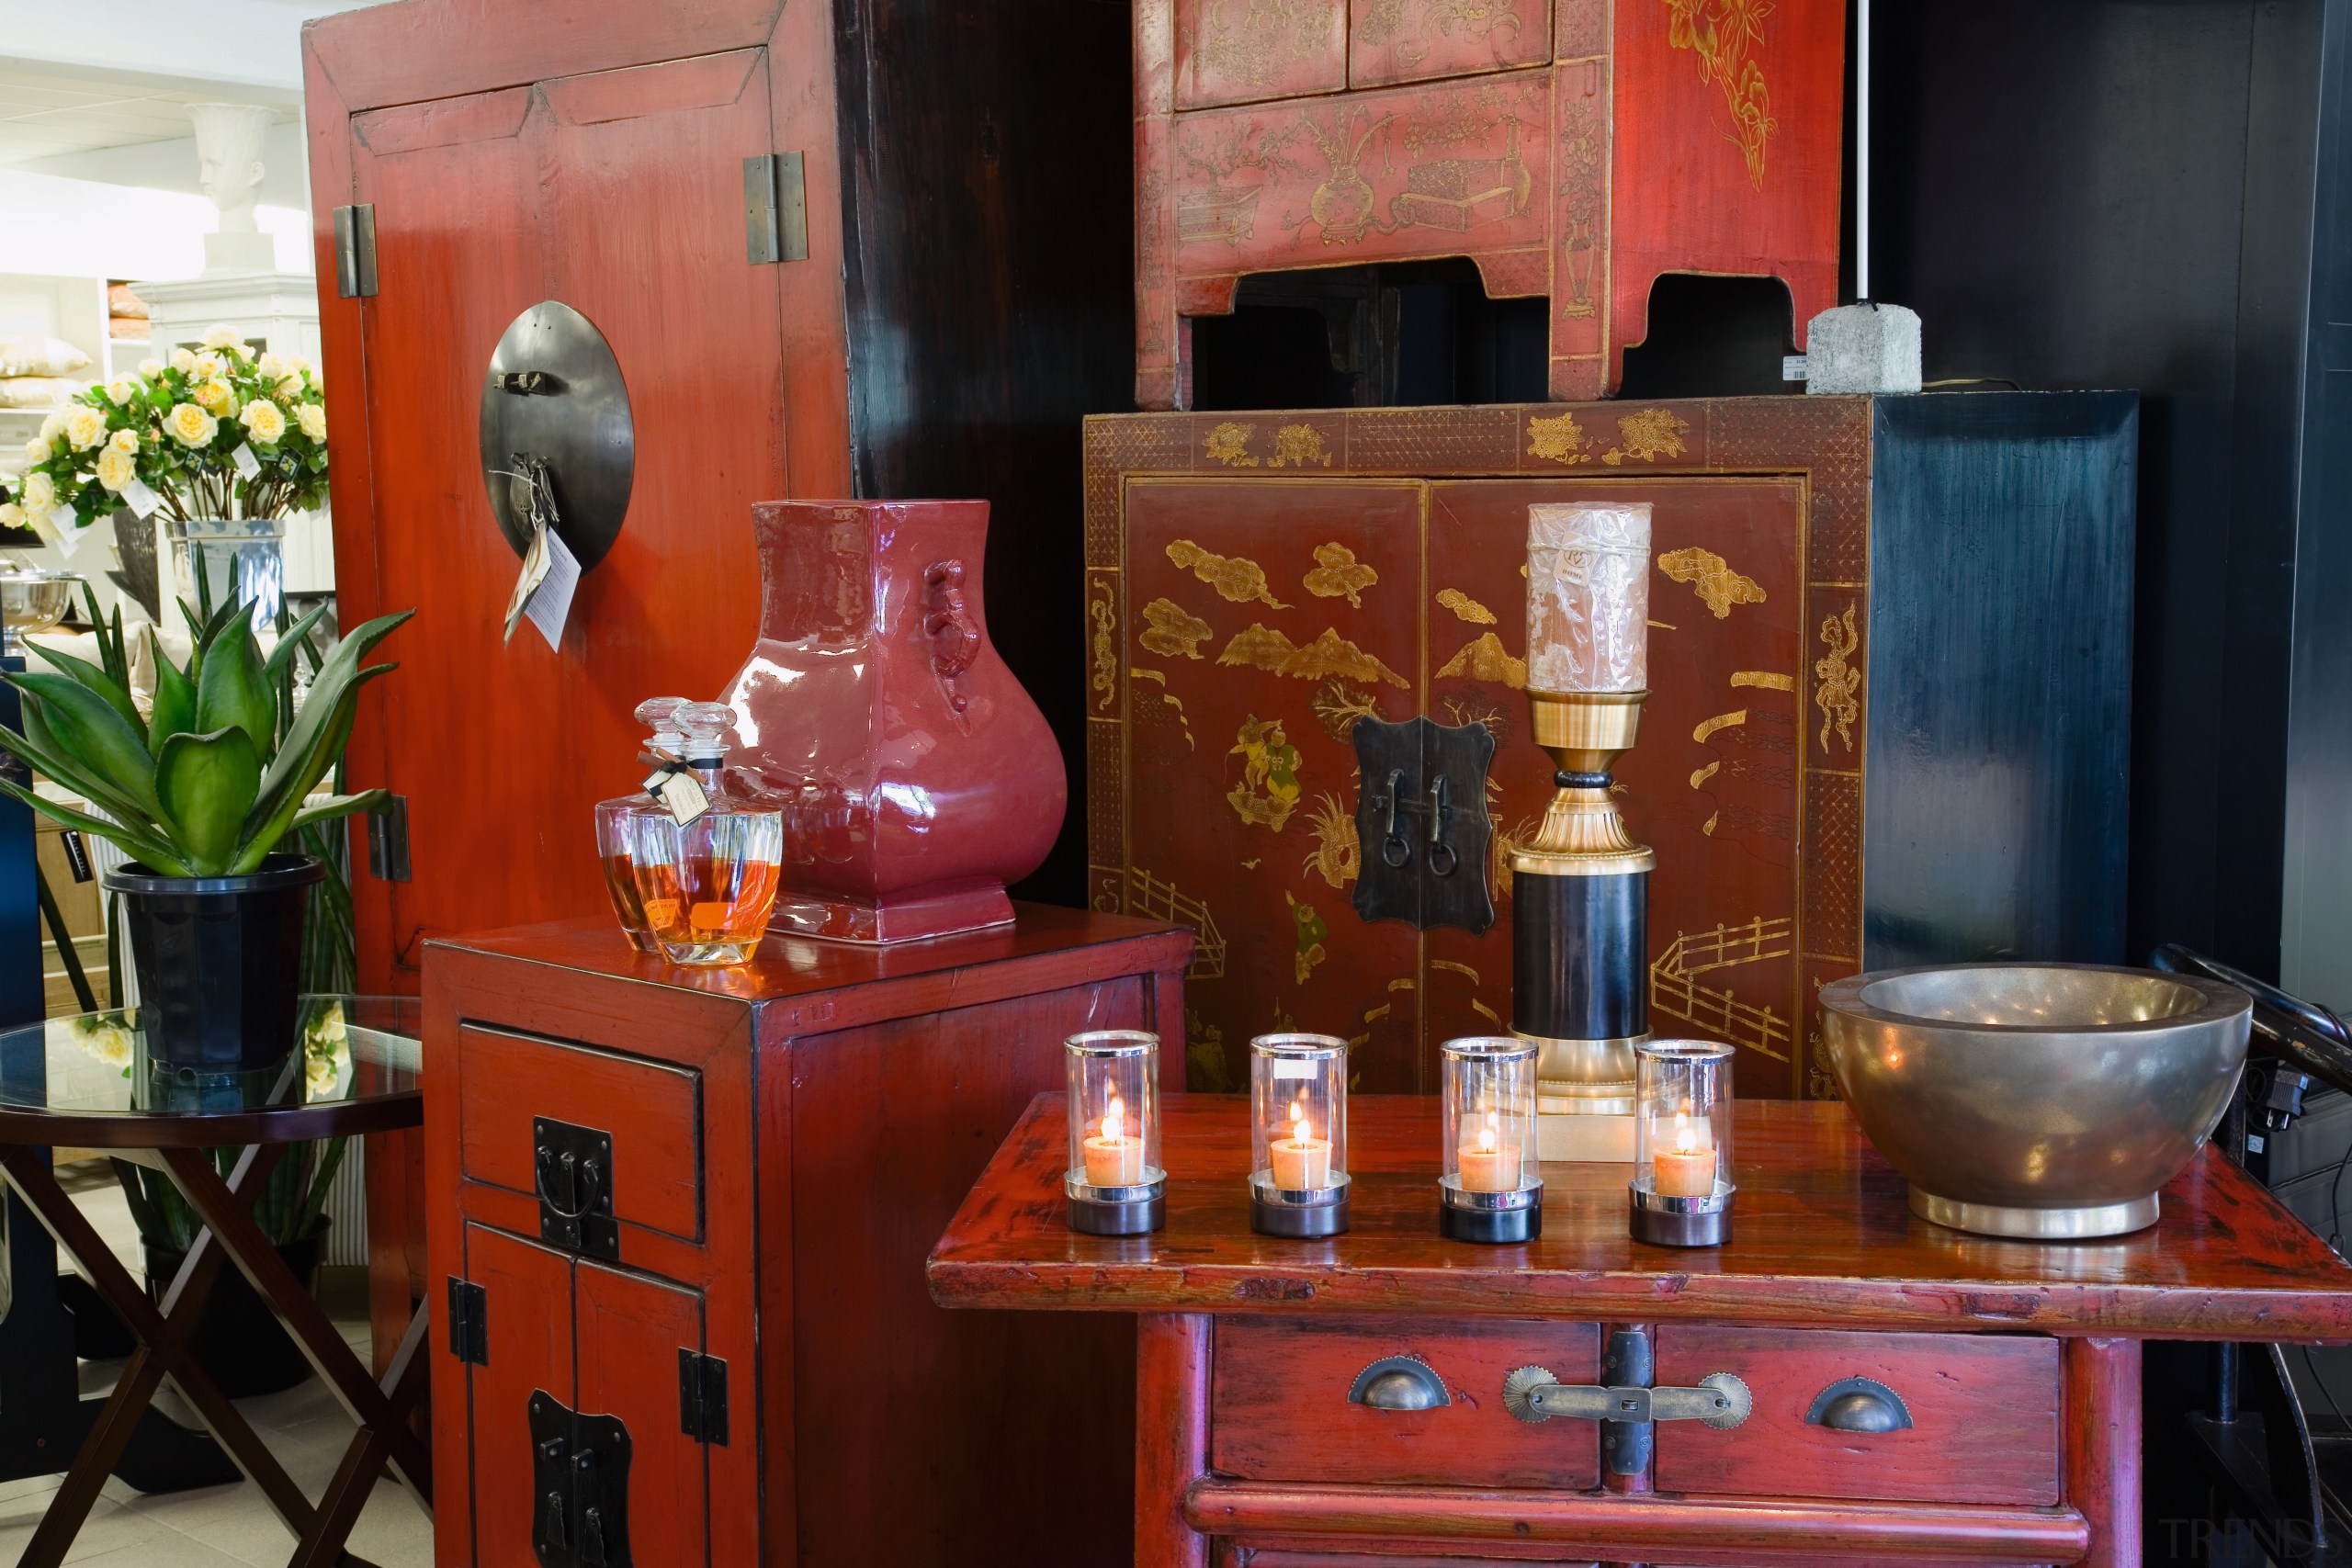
{"points": [[615, 830], [706, 886]]}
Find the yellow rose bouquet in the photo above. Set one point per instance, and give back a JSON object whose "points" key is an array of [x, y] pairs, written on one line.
{"points": [[217, 431]]}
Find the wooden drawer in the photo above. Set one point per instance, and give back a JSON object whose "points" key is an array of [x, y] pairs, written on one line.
{"points": [[1235, 52], [652, 1110], [1281, 1410], [1983, 1411]]}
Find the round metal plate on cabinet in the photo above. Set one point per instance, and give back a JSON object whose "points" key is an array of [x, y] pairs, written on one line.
{"points": [[553, 391], [1399, 1383]]}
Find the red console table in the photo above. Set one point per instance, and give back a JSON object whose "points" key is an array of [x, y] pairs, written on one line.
{"points": [[1263, 1441]]}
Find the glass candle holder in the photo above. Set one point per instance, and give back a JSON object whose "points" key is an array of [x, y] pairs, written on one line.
{"points": [[1490, 1187], [1298, 1135], [1682, 1186], [1113, 1182]]}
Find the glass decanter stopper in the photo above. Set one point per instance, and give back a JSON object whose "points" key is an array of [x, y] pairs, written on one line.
{"points": [[706, 882], [614, 817]]}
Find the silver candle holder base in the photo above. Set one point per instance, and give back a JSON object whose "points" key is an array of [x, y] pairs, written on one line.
{"points": [[1662, 1220], [1495, 1218], [1117, 1211]]}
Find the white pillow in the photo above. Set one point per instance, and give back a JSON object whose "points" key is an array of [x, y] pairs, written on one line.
{"points": [[24, 355], [37, 391]]}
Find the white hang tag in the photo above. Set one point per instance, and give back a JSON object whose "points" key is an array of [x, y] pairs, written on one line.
{"points": [[1289, 1070], [535, 571], [246, 464], [137, 496], [550, 603], [681, 794], [69, 530]]}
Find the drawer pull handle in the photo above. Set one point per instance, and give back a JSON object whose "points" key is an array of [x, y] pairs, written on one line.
{"points": [[1399, 1383], [1859, 1405]]}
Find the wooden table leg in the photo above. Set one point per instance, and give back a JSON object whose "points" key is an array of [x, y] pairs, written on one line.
{"points": [[355, 1478], [2102, 1404], [162, 1350], [1172, 1435], [314, 1333]]}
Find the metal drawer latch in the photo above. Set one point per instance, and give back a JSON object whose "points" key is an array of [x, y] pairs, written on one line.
{"points": [[1628, 1405]]}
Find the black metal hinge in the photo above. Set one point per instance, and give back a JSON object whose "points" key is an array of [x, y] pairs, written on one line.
{"points": [[776, 207], [387, 840], [469, 1322], [702, 1397], [354, 250]]}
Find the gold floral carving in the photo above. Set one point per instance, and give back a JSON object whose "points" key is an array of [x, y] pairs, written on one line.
{"points": [[1244, 41], [1769, 680], [1647, 437], [1298, 446], [1836, 682], [1337, 706], [1231, 576], [1337, 854], [1499, 852], [1464, 607], [1556, 439], [1487, 659], [1338, 574], [1384, 23], [1484, 715], [1706, 726], [1172, 631], [1261, 648], [1204, 1055], [1230, 443], [1106, 648], [1313, 931], [1727, 35], [1268, 791], [1711, 579]]}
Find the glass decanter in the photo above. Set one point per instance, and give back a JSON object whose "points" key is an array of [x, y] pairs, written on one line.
{"points": [[614, 816], [707, 884]]}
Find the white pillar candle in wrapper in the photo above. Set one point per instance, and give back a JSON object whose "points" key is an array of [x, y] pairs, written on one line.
{"points": [[1589, 596]]}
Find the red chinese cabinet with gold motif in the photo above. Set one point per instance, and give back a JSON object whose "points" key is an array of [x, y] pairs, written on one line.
{"points": [[1889, 676], [1574, 149]]}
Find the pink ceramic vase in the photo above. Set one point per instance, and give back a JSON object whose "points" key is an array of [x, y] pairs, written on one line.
{"points": [[915, 776]]}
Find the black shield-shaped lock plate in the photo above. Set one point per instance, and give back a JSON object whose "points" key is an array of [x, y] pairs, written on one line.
{"points": [[1422, 830]]}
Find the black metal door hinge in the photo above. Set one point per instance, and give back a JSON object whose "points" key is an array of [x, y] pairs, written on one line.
{"points": [[387, 840], [1423, 825], [776, 207], [354, 250], [573, 1167], [469, 1322], [702, 1397], [578, 1486]]}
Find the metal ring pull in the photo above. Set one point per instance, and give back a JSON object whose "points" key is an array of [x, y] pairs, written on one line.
{"points": [[579, 1181], [1443, 860], [1395, 849]]}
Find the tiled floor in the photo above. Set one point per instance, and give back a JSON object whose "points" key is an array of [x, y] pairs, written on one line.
{"points": [[218, 1527]]}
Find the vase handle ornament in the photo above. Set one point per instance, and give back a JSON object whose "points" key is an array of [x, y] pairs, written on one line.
{"points": [[947, 627]]}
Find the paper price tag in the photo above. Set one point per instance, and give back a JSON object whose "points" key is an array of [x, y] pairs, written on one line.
{"points": [[245, 463], [535, 571], [141, 500], [69, 530], [1283, 1069], [681, 794], [550, 603]]}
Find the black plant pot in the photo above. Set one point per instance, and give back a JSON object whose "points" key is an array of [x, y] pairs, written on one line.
{"points": [[237, 1339], [219, 961]]}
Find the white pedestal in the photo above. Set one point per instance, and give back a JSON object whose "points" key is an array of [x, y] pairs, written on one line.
{"points": [[1862, 348], [1606, 1140]]}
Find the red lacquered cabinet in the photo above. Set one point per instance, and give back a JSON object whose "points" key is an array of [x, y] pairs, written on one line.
{"points": [[1573, 149], [678, 1222]]}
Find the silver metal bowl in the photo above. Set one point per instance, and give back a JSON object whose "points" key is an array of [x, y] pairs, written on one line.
{"points": [[2045, 1101], [32, 602]]}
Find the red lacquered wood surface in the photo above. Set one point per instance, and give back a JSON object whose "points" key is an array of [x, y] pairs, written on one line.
{"points": [[656, 1158], [1638, 1529], [1823, 1235], [2103, 1425], [1412, 40], [1231, 54], [1984, 1414], [1172, 1354], [1282, 1411], [849, 1097], [630, 1330], [1751, 797], [530, 1350]]}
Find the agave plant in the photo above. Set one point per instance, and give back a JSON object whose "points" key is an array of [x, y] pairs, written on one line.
{"points": [[222, 769]]}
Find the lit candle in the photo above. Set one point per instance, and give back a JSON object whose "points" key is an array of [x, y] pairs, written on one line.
{"points": [[1588, 596], [1302, 1161], [1488, 1165], [1114, 1156], [1687, 1170]]}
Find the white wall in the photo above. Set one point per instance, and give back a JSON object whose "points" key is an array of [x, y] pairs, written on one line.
{"points": [[86, 229]]}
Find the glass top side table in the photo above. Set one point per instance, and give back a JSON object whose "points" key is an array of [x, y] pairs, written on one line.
{"points": [[87, 1082]]}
